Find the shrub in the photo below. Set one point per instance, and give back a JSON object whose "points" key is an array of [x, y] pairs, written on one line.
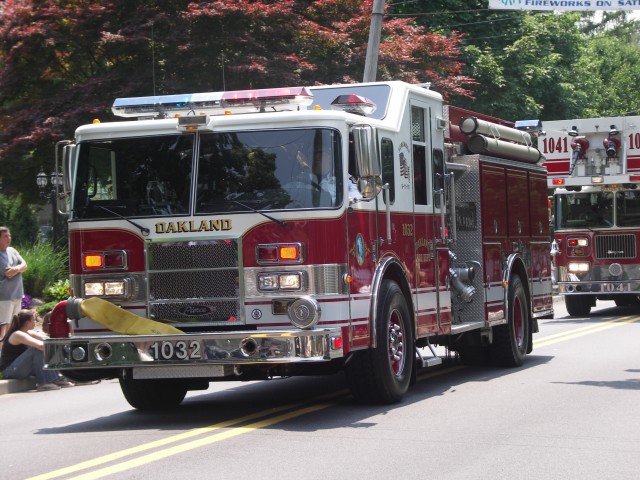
{"points": [[57, 291], [45, 308], [46, 266]]}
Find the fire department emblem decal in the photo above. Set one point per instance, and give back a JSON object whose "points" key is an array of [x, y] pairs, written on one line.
{"points": [[360, 250]]}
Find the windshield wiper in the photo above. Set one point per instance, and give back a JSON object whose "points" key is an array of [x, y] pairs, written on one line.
{"points": [[279, 222], [143, 230]]}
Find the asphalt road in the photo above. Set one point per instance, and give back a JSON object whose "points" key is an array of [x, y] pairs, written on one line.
{"points": [[571, 412]]}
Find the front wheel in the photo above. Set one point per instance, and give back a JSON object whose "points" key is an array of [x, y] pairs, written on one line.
{"points": [[153, 394], [383, 374], [626, 300], [578, 305], [511, 340]]}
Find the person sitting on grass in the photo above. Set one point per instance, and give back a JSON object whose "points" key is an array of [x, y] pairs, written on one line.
{"points": [[22, 354]]}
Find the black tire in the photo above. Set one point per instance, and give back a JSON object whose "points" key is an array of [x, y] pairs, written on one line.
{"points": [[511, 340], [626, 300], [153, 394], [578, 305], [382, 375]]}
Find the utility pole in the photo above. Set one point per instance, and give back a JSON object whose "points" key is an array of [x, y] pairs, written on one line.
{"points": [[373, 47]]}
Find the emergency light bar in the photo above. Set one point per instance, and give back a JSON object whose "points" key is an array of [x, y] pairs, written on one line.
{"points": [[214, 103], [165, 104], [266, 98]]}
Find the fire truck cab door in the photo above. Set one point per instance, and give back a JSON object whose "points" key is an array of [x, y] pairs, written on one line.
{"points": [[431, 266]]}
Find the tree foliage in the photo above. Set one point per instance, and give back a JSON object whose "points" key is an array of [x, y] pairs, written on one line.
{"points": [[20, 218], [63, 62], [539, 64]]}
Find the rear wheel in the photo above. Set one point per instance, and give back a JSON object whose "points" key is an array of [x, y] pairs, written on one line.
{"points": [[511, 340], [153, 394], [383, 374], [578, 305]]}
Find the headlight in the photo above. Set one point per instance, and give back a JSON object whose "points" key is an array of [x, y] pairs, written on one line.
{"points": [[268, 281], [106, 289], [290, 281], [93, 289], [274, 281], [578, 267], [114, 288]]}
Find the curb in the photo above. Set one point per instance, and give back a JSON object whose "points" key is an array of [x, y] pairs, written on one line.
{"points": [[17, 386]]}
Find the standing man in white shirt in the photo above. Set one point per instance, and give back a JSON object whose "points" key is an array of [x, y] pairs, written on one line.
{"points": [[12, 265]]}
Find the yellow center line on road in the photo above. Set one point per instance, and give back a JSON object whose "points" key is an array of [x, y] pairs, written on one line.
{"points": [[163, 454], [329, 400], [160, 443], [298, 410], [579, 332]]}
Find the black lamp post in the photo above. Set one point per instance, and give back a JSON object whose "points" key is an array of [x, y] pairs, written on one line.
{"points": [[50, 195]]}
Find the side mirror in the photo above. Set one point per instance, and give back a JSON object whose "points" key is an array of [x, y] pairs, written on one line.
{"points": [[64, 165], [367, 160], [366, 150]]}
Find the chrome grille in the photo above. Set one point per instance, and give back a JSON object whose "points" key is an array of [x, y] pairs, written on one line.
{"points": [[615, 246], [188, 255], [194, 283]]}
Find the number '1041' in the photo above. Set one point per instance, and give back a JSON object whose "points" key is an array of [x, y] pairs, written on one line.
{"points": [[561, 144]]}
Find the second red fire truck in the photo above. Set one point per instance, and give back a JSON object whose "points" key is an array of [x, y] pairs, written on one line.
{"points": [[295, 231], [594, 169]]}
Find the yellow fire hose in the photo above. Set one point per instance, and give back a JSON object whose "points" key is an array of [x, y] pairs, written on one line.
{"points": [[122, 321]]}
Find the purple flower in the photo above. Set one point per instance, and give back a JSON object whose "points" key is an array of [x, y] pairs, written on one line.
{"points": [[27, 302]]}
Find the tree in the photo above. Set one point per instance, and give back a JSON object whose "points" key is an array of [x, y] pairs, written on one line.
{"points": [[539, 71], [616, 65], [63, 62], [20, 218], [539, 64]]}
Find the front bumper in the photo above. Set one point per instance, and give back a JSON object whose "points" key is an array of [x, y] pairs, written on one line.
{"points": [[600, 288], [192, 355], [601, 280]]}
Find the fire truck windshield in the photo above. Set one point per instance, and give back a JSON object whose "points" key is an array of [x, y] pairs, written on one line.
{"points": [[584, 210], [237, 172], [628, 208]]}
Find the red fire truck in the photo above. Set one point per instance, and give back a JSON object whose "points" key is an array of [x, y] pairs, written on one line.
{"points": [[594, 169], [298, 231]]}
